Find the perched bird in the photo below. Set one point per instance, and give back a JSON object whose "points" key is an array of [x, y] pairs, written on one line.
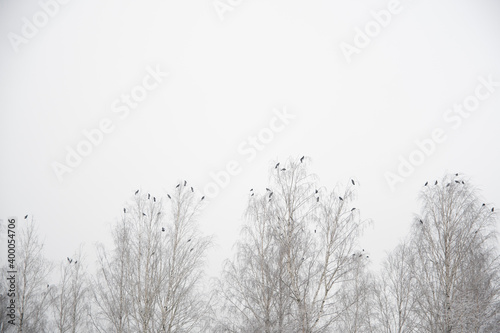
{"points": [[360, 255], [353, 209], [483, 205], [456, 181], [270, 194], [422, 222], [268, 189], [136, 192], [154, 199], [341, 199], [185, 183], [316, 191], [283, 169], [352, 181], [168, 195], [456, 174], [124, 210], [178, 185], [162, 229], [276, 166], [192, 189], [426, 183], [251, 189], [317, 199], [189, 240], [68, 259], [301, 159], [143, 214], [436, 182], [25, 217], [203, 197], [463, 183], [493, 209], [447, 184], [252, 194], [149, 196]]}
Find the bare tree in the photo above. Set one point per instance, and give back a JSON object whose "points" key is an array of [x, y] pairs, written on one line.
{"points": [[150, 284], [295, 255], [454, 235], [396, 291], [33, 296]]}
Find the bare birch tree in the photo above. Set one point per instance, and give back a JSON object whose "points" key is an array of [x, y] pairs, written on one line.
{"points": [[454, 234], [295, 255]]}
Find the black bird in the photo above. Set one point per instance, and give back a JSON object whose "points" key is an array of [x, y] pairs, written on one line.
{"points": [[493, 209], [252, 194], [68, 259], [317, 199], [178, 185], [162, 229], [353, 209], [283, 169], [483, 205], [276, 166], [189, 240], [76, 262], [316, 191], [436, 182], [149, 196], [124, 210], [341, 199], [47, 286], [268, 189], [136, 192], [203, 197], [154, 199], [301, 159], [168, 195], [143, 214], [456, 181], [185, 182], [447, 184], [314, 230], [192, 189], [456, 174], [25, 217], [463, 182], [352, 181], [426, 183], [422, 222], [270, 194], [251, 189]]}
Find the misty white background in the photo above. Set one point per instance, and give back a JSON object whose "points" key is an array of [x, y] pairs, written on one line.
{"points": [[352, 120]]}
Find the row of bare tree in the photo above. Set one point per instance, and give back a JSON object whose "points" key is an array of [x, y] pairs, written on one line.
{"points": [[297, 268]]}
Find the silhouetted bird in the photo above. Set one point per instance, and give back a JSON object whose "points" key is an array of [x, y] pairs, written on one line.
{"points": [[191, 249], [314, 230], [483, 205], [456, 174], [203, 197], [352, 181], [463, 182], [301, 159], [360, 255], [136, 192], [317, 199], [422, 222], [268, 189], [178, 185], [154, 199], [124, 210], [426, 183], [251, 189], [341, 199], [76, 262], [168, 195], [316, 191], [143, 214], [283, 169], [353, 209], [456, 181], [162, 229], [493, 209], [189, 240], [436, 182], [252, 194], [47, 286], [276, 166], [25, 217], [192, 189], [185, 183], [447, 184], [68, 259], [149, 196], [270, 194]]}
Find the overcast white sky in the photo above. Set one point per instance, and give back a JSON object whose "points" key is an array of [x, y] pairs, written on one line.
{"points": [[353, 118]]}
